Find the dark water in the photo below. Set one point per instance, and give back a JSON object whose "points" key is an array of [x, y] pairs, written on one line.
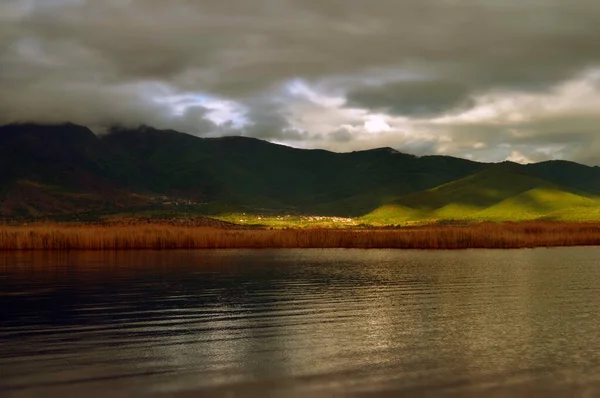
{"points": [[301, 323]]}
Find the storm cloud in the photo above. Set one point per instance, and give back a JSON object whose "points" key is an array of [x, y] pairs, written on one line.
{"points": [[485, 79], [418, 98]]}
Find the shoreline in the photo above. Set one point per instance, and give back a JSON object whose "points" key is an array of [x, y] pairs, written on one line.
{"points": [[155, 236]]}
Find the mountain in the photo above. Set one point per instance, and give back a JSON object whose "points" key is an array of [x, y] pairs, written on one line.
{"points": [[56, 169], [67, 169], [246, 172]]}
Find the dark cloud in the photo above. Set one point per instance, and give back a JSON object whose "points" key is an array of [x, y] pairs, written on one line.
{"points": [[99, 62], [341, 135], [91, 105], [232, 46], [413, 98]]}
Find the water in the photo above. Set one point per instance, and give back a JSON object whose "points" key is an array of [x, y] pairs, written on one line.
{"points": [[301, 323]]}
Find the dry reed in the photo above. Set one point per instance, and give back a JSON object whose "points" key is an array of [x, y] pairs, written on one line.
{"points": [[115, 237]]}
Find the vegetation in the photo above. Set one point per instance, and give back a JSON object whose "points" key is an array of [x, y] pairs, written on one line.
{"points": [[159, 236], [66, 173], [491, 196]]}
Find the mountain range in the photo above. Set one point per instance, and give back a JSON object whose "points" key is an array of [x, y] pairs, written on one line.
{"points": [[67, 170]]}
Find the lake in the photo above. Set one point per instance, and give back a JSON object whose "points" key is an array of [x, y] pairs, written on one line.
{"points": [[300, 323]]}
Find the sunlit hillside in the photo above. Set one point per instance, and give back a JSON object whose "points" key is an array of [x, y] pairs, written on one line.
{"points": [[493, 196]]}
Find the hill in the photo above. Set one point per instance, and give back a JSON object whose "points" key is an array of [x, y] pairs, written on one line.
{"points": [[491, 195], [68, 170]]}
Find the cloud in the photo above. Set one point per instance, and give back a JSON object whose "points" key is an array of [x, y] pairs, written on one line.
{"points": [[342, 135], [427, 75], [413, 98], [83, 103]]}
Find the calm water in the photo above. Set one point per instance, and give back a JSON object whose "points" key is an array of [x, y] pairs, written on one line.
{"points": [[301, 323]]}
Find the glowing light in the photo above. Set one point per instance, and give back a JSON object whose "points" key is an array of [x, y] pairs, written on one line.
{"points": [[376, 124]]}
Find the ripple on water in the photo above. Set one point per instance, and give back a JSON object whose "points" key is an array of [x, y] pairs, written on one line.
{"points": [[287, 322]]}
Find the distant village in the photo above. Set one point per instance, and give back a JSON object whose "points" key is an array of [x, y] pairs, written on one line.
{"points": [[170, 201], [293, 219]]}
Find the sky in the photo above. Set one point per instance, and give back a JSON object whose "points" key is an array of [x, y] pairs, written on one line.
{"points": [[488, 80]]}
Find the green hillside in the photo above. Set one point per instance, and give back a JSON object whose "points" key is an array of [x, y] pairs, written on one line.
{"points": [[491, 195]]}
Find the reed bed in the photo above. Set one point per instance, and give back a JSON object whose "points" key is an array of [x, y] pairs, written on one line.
{"points": [[162, 237]]}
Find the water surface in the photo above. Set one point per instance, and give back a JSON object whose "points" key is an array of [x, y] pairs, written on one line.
{"points": [[301, 323]]}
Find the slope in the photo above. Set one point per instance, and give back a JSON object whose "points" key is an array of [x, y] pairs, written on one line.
{"points": [[56, 169], [488, 195]]}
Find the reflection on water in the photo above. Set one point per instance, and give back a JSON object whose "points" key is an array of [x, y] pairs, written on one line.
{"points": [[301, 322]]}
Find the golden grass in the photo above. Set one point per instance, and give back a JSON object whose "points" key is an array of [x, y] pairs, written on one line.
{"points": [[123, 237]]}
